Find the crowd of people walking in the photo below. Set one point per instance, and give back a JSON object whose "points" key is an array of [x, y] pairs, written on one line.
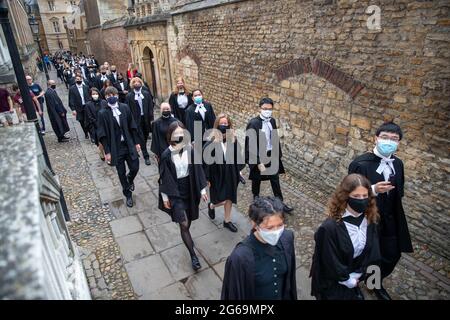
{"points": [[366, 224]]}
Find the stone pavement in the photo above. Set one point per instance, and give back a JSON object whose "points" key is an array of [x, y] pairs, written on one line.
{"points": [[137, 253]]}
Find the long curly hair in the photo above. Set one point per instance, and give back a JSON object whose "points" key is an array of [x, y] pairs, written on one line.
{"points": [[338, 201]]}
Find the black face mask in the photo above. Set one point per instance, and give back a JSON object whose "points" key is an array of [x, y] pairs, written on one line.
{"points": [[166, 114], [79, 82], [120, 80], [53, 86], [103, 73], [223, 129], [359, 205], [178, 140]]}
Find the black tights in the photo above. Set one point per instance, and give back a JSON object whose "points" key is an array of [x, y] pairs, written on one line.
{"points": [[186, 235]]}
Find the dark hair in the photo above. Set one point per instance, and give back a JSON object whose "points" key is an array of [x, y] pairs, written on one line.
{"points": [[172, 127], [197, 90], [390, 127], [111, 91], [15, 87], [92, 90], [264, 101], [263, 207]]}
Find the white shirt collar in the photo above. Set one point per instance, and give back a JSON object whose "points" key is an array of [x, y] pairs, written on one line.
{"points": [[348, 213]]}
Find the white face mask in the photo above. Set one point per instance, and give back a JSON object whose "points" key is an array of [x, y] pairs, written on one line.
{"points": [[95, 97], [269, 236], [266, 113]]}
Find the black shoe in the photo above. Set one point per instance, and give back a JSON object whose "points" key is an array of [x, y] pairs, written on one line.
{"points": [[382, 294], [130, 201], [86, 136], [241, 179], [131, 184], [287, 209], [195, 263], [147, 161], [63, 139], [230, 226], [211, 212]]}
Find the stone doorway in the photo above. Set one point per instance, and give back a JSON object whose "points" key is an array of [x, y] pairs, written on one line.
{"points": [[148, 61]]}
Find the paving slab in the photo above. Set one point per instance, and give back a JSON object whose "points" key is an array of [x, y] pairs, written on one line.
{"points": [[164, 236], [205, 285], [118, 209], [303, 284], [202, 226], [124, 226], [153, 217], [148, 275], [142, 202], [178, 261], [176, 291], [220, 269], [217, 246], [134, 246], [110, 194]]}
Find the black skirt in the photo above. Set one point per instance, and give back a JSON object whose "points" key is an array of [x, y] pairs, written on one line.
{"points": [[181, 205]]}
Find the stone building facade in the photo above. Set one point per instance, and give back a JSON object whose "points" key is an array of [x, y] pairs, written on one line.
{"points": [[75, 25], [334, 74], [53, 13], [107, 39], [24, 40]]}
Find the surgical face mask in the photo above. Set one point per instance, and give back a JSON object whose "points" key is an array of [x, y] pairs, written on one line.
{"points": [[166, 114], [266, 114], [386, 147], [359, 205], [95, 97], [112, 100], [271, 236], [198, 99]]}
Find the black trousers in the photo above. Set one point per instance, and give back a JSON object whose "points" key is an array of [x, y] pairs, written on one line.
{"points": [[81, 117], [145, 130], [274, 182], [133, 166]]}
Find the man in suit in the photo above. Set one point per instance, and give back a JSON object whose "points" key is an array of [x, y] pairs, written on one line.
{"points": [[264, 127], [122, 86], [101, 78], [78, 97], [141, 106], [114, 75]]}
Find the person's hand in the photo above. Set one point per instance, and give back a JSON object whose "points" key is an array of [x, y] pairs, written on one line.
{"points": [[40, 113], [62, 114], [74, 113], [20, 100], [261, 167], [138, 148], [167, 204], [125, 91], [108, 157], [383, 186], [209, 184], [205, 197]]}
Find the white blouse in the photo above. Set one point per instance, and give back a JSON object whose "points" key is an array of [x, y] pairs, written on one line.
{"points": [[181, 163], [182, 100]]}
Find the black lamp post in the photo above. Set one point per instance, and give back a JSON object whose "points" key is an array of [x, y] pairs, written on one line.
{"points": [[34, 25], [24, 90]]}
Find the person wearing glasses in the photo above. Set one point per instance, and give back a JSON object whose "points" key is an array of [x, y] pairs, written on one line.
{"points": [[386, 174]]}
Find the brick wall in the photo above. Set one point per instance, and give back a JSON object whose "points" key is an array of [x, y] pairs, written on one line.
{"points": [[334, 83]]}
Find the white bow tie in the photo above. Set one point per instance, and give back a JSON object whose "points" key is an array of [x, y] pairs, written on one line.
{"points": [[200, 107], [386, 166], [115, 110]]}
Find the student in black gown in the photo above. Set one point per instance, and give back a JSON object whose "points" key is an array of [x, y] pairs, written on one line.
{"points": [[180, 99], [92, 108], [78, 98], [201, 112], [262, 266], [122, 86], [346, 242], [386, 174], [265, 126], [223, 172], [159, 130], [106, 84], [182, 184], [56, 112], [141, 106], [118, 133]]}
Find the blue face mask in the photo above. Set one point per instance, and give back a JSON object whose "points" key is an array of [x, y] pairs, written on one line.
{"points": [[386, 147], [198, 100], [112, 100]]}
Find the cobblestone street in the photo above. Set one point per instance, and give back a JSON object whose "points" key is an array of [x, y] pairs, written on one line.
{"points": [[137, 253]]}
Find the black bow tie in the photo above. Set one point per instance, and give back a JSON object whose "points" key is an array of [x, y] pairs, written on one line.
{"points": [[354, 220]]}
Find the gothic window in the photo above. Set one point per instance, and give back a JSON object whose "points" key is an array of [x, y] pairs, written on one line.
{"points": [[51, 5]]}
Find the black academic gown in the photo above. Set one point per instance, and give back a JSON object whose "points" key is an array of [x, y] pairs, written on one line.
{"points": [[159, 135], [92, 108], [333, 260], [257, 124], [192, 116], [57, 113], [239, 277], [109, 136], [76, 103], [224, 178], [393, 227], [178, 112], [147, 104], [122, 94], [168, 182]]}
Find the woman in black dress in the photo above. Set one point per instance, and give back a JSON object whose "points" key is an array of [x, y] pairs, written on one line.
{"points": [[91, 109], [262, 267], [181, 185], [200, 112], [223, 169], [180, 99], [346, 242]]}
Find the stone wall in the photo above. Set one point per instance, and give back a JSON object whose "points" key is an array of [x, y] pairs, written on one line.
{"points": [[334, 82]]}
